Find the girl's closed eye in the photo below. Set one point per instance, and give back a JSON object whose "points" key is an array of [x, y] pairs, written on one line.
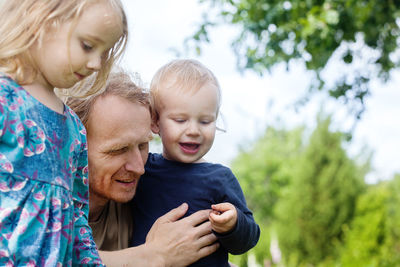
{"points": [[86, 46]]}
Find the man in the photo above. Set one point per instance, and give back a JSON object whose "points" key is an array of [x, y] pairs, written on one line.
{"points": [[118, 133]]}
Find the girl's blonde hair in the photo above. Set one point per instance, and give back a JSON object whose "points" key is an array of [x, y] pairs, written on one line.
{"points": [[187, 75], [24, 22]]}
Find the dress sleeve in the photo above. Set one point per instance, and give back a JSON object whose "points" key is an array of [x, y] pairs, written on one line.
{"points": [[2, 120], [246, 233], [84, 250], [7, 129], [3, 110]]}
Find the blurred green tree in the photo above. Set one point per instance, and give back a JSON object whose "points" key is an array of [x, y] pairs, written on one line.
{"points": [[302, 190], [361, 33], [264, 168], [373, 238], [320, 200]]}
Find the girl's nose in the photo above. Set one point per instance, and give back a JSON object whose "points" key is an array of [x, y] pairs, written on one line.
{"points": [[94, 63]]}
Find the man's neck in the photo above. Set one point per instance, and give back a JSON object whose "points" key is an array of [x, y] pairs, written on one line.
{"points": [[96, 207]]}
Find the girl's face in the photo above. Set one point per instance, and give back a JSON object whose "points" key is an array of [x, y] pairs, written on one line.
{"points": [[187, 123], [68, 55]]}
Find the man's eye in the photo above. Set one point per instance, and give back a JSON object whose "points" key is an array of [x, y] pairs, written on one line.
{"points": [[117, 151], [179, 120], [143, 146]]}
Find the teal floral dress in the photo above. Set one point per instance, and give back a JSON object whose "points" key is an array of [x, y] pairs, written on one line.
{"points": [[44, 197]]}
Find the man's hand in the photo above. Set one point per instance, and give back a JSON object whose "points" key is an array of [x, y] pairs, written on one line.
{"points": [[182, 242], [223, 217], [170, 242]]}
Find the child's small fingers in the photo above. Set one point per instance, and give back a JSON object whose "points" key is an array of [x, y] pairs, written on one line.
{"points": [[218, 218], [212, 217], [226, 216], [222, 207], [216, 212]]}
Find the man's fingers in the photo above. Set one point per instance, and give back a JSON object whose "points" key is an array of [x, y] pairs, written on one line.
{"points": [[205, 251], [207, 240], [197, 217], [174, 214], [202, 229]]}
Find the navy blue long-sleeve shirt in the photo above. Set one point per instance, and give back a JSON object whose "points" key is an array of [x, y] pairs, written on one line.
{"points": [[167, 184]]}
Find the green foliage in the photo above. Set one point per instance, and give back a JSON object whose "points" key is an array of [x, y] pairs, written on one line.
{"points": [[261, 250], [373, 239], [320, 200], [311, 32], [302, 190], [263, 170]]}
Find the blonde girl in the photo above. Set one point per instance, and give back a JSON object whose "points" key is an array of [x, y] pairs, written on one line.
{"points": [[48, 44]]}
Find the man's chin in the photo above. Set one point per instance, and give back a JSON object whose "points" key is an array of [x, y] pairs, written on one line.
{"points": [[124, 197]]}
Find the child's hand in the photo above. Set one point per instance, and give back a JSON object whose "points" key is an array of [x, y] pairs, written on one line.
{"points": [[223, 217]]}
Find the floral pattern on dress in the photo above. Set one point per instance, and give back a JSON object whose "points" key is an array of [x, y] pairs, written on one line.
{"points": [[32, 139], [5, 164]]}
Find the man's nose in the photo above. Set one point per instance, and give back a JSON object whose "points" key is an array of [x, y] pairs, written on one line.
{"points": [[134, 162]]}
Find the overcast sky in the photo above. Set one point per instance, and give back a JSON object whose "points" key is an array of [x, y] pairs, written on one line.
{"points": [[251, 103]]}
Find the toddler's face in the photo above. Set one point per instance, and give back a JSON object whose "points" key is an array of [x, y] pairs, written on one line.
{"points": [[187, 123], [68, 55]]}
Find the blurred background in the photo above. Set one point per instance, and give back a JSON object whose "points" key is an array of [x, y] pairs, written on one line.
{"points": [[311, 113]]}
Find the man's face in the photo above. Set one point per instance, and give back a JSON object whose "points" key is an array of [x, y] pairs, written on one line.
{"points": [[118, 137]]}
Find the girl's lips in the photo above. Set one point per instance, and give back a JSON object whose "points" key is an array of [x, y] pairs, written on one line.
{"points": [[80, 77], [189, 148]]}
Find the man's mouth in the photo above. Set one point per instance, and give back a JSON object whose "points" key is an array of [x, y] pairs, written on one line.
{"points": [[127, 182]]}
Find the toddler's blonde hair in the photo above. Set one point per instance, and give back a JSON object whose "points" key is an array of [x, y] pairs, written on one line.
{"points": [[187, 75], [24, 22]]}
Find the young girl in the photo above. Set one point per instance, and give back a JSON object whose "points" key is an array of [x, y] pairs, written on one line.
{"points": [[186, 97], [43, 159]]}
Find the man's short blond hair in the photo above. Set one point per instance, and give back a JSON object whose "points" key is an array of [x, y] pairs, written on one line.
{"points": [[119, 83]]}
